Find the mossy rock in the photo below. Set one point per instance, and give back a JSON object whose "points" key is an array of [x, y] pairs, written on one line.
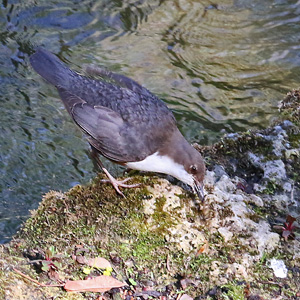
{"points": [[160, 238]]}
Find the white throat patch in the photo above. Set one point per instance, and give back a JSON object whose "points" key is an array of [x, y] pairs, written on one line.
{"points": [[162, 164]]}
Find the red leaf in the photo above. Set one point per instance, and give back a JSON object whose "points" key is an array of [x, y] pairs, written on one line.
{"points": [[97, 284], [290, 219]]}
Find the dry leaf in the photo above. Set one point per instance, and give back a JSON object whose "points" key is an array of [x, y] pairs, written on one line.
{"points": [[99, 262], [185, 297], [203, 249], [185, 282], [97, 284], [53, 275], [81, 260]]}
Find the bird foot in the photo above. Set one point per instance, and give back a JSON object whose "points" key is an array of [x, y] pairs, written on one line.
{"points": [[118, 183]]}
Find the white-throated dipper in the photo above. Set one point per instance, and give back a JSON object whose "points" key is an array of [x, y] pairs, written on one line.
{"points": [[124, 122]]}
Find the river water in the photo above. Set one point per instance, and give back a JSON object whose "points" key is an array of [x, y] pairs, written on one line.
{"points": [[220, 66]]}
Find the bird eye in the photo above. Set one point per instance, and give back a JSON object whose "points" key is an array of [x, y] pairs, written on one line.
{"points": [[193, 168]]}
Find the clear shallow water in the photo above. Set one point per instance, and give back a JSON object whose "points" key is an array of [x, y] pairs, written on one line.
{"points": [[221, 68]]}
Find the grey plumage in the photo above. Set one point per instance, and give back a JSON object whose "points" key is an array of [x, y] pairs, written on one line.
{"points": [[90, 102], [124, 122]]}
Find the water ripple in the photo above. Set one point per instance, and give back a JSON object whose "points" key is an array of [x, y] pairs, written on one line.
{"points": [[221, 68]]}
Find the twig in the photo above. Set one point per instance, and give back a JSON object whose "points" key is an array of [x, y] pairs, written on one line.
{"points": [[35, 261], [292, 193], [168, 263], [178, 296], [270, 282], [35, 281]]}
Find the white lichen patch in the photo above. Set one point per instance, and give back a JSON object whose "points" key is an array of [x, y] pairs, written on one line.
{"points": [[237, 270], [181, 232], [225, 233], [228, 213], [163, 189], [186, 237], [265, 238]]}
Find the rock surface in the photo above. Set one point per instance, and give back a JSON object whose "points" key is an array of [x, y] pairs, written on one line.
{"points": [[162, 240]]}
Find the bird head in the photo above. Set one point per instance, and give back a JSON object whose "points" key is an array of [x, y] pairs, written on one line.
{"points": [[196, 170], [186, 163]]}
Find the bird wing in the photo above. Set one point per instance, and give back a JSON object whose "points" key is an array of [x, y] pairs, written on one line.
{"points": [[104, 128]]}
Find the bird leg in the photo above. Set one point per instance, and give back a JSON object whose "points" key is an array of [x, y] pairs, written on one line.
{"points": [[116, 183]]}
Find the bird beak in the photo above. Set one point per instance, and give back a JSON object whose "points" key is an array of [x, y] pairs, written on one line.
{"points": [[198, 189]]}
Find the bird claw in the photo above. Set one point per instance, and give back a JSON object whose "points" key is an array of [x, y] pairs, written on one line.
{"points": [[118, 183]]}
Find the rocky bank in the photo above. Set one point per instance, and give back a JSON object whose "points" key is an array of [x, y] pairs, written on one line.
{"points": [[242, 242]]}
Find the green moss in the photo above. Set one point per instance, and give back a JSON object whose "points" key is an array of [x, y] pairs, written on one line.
{"points": [[163, 220], [272, 187], [96, 218], [247, 141], [294, 139], [234, 291], [79, 215], [196, 266], [145, 249]]}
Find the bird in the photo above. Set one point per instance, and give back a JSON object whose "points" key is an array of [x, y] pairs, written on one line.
{"points": [[123, 121]]}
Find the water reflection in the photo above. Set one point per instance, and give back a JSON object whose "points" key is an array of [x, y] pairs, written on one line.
{"points": [[220, 67]]}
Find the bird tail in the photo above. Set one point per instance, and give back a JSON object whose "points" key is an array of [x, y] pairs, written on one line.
{"points": [[51, 68]]}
